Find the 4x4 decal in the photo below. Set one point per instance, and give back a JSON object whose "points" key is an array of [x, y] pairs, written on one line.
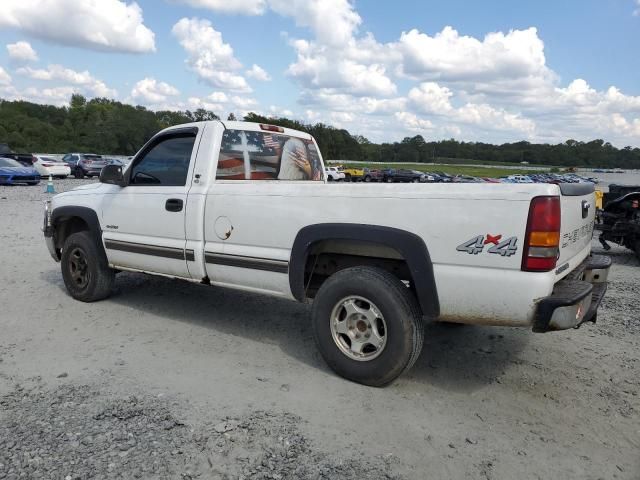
{"points": [[476, 245]]}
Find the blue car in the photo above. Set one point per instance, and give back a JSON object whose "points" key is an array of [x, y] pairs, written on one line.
{"points": [[13, 172]]}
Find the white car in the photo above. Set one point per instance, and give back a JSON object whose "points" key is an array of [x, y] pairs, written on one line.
{"points": [[47, 166], [520, 179], [334, 174], [246, 206]]}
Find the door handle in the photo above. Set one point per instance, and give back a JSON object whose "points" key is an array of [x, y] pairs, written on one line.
{"points": [[174, 205]]}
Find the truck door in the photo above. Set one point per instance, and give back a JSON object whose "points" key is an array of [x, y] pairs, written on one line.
{"points": [[144, 222]]}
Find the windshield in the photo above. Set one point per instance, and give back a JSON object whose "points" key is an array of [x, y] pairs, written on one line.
{"points": [[7, 162]]}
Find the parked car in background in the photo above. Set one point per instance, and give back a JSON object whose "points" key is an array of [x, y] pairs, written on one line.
{"points": [[520, 179], [118, 161], [13, 172], [334, 174], [84, 164], [404, 175], [352, 174], [373, 175], [25, 159], [443, 177], [49, 166]]}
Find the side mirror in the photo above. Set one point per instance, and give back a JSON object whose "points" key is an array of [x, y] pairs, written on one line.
{"points": [[112, 174]]}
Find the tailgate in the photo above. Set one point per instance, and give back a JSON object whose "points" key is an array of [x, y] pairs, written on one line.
{"points": [[577, 203]]}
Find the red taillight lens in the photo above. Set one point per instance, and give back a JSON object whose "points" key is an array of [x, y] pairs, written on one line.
{"points": [[542, 240], [271, 128]]}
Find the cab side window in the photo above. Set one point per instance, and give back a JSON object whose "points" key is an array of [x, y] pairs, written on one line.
{"points": [[165, 162]]}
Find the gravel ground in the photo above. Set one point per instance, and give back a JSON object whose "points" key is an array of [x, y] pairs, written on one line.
{"points": [[172, 380]]}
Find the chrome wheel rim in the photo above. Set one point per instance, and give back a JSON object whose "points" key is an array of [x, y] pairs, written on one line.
{"points": [[79, 268], [358, 328]]}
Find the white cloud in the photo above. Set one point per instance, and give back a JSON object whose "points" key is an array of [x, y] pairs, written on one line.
{"points": [[221, 103], [454, 57], [149, 91], [258, 73], [107, 25], [58, 96], [636, 12], [5, 78], [429, 97], [22, 52], [412, 122], [208, 56], [333, 22], [88, 83], [336, 58], [246, 7]]}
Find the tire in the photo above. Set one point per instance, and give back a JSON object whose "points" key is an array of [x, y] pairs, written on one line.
{"points": [[386, 312], [78, 173], [347, 177], [415, 180], [367, 179], [85, 270], [389, 180], [330, 178]]}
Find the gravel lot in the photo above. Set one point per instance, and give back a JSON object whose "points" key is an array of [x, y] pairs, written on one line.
{"points": [[172, 380]]}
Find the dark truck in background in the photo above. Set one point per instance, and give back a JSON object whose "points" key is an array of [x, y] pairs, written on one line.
{"points": [[619, 220], [26, 159]]}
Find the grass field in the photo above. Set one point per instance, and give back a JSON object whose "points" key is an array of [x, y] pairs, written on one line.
{"points": [[450, 169]]}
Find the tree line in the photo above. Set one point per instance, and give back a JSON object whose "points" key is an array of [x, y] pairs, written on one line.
{"points": [[110, 127]]}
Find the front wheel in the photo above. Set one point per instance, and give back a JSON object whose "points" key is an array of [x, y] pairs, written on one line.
{"points": [[367, 325], [85, 270]]}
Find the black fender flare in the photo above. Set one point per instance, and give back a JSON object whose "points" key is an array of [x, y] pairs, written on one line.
{"points": [[87, 214], [409, 245]]}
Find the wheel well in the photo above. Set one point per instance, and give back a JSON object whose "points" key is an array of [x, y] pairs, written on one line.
{"points": [[327, 257], [69, 226]]}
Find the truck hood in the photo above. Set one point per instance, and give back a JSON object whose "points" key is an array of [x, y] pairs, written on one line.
{"points": [[90, 186]]}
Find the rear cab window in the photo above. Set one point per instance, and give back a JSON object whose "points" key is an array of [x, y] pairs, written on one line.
{"points": [[257, 155]]}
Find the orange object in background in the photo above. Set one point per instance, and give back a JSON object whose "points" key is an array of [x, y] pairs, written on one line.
{"points": [[599, 196]]}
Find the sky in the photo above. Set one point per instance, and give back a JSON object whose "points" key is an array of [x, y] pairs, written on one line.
{"points": [[494, 71]]}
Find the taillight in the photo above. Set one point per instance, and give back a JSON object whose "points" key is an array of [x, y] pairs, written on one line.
{"points": [[271, 128], [542, 240]]}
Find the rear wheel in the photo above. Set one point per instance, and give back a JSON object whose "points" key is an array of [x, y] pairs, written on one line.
{"points": [[85, 270], [78, 173], [367, 178], [347, 177], [367, 325]]}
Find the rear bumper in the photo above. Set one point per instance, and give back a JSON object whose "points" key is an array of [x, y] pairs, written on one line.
{"points": [[575, 299]]}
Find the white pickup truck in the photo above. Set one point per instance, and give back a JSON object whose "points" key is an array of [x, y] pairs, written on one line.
{"points": [[247, 206]]}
